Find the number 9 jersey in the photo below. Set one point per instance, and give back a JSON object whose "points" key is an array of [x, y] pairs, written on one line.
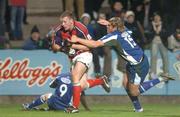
{"points": [[63, 92]]}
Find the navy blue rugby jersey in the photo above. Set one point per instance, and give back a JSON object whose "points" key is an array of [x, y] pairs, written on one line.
{"points": [[124, 45]]}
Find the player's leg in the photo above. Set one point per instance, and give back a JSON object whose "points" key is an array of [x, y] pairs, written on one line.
{"points": [[134, 90], [143, 68], [151, 83], [134, 99], [88, 83], [37, 102], [77, 73], [103, 81], [135, 75], [81, 63], [92, 82]]}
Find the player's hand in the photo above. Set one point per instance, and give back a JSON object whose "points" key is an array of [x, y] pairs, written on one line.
{"points": [[51, 33], [103, 22], [74, 39]]}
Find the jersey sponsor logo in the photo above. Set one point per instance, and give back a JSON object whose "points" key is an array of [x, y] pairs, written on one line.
{"points": [[66, 80], [20, 70]]}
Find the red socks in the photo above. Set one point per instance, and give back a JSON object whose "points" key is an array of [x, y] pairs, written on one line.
{"points": [[95, 82], [76, 95], [77, 90]]}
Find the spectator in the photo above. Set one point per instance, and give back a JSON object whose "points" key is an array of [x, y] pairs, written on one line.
{"points": [[34, 41], [4, 43], [102, 51], [76, 6], [92, 7], [116, 9], [2, 17], [158, 36], [17, 14], [25, 17], [86, 20], [7, 18], [136, 28], [174, 41], [99, 52]]}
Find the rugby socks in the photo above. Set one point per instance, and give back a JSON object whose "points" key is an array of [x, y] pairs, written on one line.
{"points": [[148, 84], [95, 82], [36, 102], [76, 94], [134, 100]]}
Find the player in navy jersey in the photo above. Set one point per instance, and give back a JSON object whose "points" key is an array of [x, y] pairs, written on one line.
{"points": [[61, 98], [120, 39]]}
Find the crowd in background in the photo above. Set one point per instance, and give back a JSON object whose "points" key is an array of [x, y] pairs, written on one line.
{"points": [[154, 24]]}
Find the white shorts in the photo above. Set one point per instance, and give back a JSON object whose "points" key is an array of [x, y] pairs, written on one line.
{"points": [[85, 57]]}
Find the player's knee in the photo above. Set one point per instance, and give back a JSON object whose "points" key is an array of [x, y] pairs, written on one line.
{"points": [[75, 77], [45, 97]]}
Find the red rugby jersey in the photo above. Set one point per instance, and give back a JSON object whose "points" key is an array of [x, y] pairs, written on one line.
{"points": [[79, 30]]}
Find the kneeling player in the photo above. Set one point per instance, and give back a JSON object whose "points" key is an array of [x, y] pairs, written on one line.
{"points": [[61, 99]]}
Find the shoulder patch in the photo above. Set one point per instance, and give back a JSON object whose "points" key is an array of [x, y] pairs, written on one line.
{"points": [[66, 80]]}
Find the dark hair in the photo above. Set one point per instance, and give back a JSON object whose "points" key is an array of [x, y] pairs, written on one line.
{"points": [[34, 29]]}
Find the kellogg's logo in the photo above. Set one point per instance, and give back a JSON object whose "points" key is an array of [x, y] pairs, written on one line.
{"points": [[20, 70]]}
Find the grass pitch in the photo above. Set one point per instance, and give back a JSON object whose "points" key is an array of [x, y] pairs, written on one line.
{"points": [[153, 110]]}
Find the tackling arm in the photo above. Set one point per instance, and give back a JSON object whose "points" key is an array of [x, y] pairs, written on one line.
{"points": [[88, 43], [79, 47]]}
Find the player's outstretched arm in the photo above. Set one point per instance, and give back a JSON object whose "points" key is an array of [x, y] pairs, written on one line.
{"points": [[80, 47], [88, 43]]}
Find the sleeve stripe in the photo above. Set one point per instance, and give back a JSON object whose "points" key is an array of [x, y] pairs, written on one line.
{"points": [[105, 39], [81, 32], [82, 28]]}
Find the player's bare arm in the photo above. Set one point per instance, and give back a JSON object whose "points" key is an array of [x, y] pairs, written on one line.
{"points": [[80, 47], [88, 43]]}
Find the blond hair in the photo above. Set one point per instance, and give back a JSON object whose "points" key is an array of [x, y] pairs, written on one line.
{"points": [[117, 22]]}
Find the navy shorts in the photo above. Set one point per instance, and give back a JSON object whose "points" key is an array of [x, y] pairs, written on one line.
{"points": [[137, 73]]}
